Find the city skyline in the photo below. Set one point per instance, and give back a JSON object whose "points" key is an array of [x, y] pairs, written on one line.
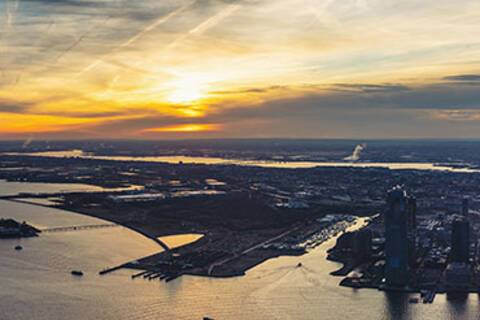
{"points": [[239, 69]]}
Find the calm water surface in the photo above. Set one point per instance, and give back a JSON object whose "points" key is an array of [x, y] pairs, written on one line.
{"points": [[256, 163], [36, 283], [179, 240], [14, 188]]}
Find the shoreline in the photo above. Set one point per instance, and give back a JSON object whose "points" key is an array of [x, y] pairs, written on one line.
{"points": [[157, 241], [221, 267]]}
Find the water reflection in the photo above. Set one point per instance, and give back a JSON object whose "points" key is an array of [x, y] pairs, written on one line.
{"points": [[255, 163], [36, 283], [178, 240], [458, 303], [14, 188], [397, 306]]}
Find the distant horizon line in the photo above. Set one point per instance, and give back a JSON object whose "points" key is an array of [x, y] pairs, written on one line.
{"points": [[239, 139]]}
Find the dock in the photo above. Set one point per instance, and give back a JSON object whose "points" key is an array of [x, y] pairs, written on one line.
{"points": [[109, 270]]}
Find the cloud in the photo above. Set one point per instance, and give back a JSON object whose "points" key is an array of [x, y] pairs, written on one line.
{"points": [[266, 68], [457, 115], [370, 88], [80, 114], [14, 107], [360, 96], [251, 90], [338, 87], [306, 110], [72, 3], [464, 77]]}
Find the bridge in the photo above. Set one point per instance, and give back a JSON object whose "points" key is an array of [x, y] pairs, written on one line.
{"points": [[79, 228]]}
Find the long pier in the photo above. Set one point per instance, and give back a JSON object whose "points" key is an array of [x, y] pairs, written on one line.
{"points": [[108, 270], [80, 228], [156, 274]]}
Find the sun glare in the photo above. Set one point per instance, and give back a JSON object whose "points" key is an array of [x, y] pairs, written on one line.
{"points": [[186, 91], [185, 95], [185, 128]]}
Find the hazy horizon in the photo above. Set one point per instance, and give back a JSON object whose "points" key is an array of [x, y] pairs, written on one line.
{"points": [[199, 139]]}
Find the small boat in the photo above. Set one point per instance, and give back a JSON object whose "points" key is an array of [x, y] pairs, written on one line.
{"points": [[18, 248], [77, 273]]}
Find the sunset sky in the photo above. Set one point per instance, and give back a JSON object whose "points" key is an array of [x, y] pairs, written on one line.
{"points": [[228, 69]]}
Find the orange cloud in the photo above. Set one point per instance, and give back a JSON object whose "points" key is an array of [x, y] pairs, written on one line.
{"points": [[185, 128]]}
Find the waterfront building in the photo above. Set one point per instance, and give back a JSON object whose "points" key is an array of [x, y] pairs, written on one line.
{"points": [[460, 240], [458, 277], [412, 229], [465, 207], [399, 220], [412, 214]]}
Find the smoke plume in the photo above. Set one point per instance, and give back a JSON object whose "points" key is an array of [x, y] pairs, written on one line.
{"points": [[357, 152], [27, 143]]}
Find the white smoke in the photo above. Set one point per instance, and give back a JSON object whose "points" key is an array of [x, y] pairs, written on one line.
{"points": [[357, 152], [27, 143]]}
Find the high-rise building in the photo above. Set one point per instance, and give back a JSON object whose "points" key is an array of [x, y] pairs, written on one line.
{"points": [[460, 245], [399, 219], [465, 207], [412, 213]]}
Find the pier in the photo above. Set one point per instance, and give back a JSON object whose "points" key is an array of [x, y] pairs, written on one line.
{"points": [[79, 228], [156, 274], [109, 270]]}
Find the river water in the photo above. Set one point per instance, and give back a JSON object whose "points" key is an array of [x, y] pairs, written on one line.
{"points": [[256, 163], [14, 188], [35, 283]]}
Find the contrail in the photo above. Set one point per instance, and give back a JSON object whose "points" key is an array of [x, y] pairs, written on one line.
{"points": [[10, 9], [205, 25], [80, 39], [128, 67], [362, 4], [153, 26], [9, 17], [147, 29], [213, 21], [45, 34], [320, 11], [10, 12]]}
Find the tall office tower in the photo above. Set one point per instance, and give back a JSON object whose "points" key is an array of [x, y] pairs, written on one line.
{"points": [[460, 251], [465, 207], [411, 229], [412, 213], [399, 236]]}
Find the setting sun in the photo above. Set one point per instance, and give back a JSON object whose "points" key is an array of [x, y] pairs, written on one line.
{"points": [[186, 91], [186, 128]]}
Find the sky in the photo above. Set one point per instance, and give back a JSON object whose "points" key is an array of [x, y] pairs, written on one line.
{"points": [[149, 69]]}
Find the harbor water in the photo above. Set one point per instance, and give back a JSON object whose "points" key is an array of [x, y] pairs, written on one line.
{"points": [[35, 283]]}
